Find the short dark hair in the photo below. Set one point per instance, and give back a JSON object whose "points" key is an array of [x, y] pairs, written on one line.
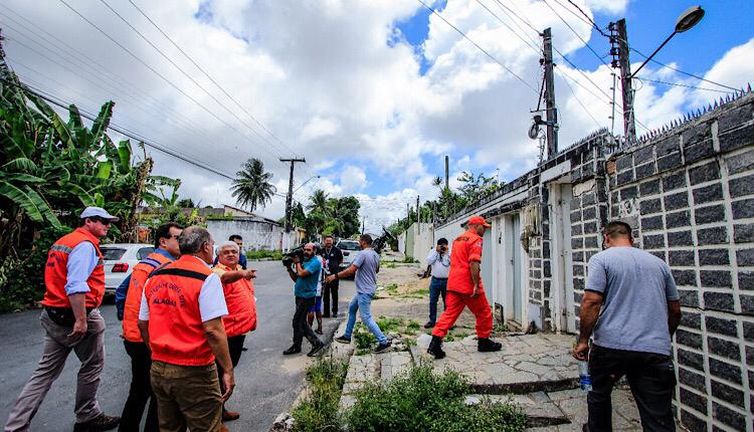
{"points": [[442, 241], [617, 229], [328, 236], [366, 238], [163, 232], [233, 237]]}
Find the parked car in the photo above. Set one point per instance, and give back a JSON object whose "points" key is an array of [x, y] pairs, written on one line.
{"points": [[120, 259], [350, 249]]}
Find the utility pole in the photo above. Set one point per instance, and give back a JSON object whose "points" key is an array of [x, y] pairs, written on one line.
{"points": [[618, 31], [418, 216], [363, 224], [408, 215], [289, 197], [552, 112], [447, 172]]}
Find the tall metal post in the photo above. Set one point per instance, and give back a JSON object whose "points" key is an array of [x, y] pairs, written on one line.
{"points": [[447, 172], [629, 121], [418, 216], [552, 112], [289, 197]]}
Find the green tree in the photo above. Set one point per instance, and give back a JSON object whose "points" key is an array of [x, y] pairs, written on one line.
{"points": [[252, 186]]}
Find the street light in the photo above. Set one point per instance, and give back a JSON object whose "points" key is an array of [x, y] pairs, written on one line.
{"points": [[688, 19]]}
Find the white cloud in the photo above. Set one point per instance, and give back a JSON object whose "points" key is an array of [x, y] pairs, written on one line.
{"points": [[318, 127], [352, 179], [607, 6]]}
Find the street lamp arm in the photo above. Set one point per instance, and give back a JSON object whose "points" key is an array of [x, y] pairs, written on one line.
{"points": [[654, 53]]}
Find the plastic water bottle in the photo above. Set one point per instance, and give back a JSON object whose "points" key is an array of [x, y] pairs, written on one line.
{"points": [[585, 380]]}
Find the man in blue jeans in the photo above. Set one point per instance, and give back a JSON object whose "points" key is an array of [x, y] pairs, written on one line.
{"points": [[365, 267], [438, 265]]}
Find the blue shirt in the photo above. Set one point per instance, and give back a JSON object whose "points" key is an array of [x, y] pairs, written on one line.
{"points": [[122, 290], [306, 287], [81, 263], [368, 264], [636, 287]]}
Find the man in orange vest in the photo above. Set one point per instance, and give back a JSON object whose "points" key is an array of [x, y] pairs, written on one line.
{"points": [[166, 251], [242, 309], [465, 289], [75, 284], [180, 319]]}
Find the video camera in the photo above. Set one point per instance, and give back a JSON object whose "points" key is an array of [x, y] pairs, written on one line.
{"points": [[288, 258]]}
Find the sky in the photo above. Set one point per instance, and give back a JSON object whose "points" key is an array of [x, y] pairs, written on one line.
{"points": [[372, 94]]}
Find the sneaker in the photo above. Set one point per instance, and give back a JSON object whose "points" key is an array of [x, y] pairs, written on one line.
{"points": [[488, 345], [429, 325], [383, 347], [318, 331], [100, 423], [292, 350], [343, 340], [315, 349], [230, 415]]}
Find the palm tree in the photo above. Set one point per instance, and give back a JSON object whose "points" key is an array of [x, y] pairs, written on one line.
{"points": [[252, 186]]}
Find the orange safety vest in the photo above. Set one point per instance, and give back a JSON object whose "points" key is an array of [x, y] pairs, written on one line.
{"points": [[242, 308], [467, 248], [139, 276], [176, 334], [56, 271]]}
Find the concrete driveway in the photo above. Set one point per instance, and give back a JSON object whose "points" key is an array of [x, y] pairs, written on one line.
{"points": [[267, 382]]}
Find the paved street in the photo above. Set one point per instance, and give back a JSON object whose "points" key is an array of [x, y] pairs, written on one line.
{"points": [[267, 382]]}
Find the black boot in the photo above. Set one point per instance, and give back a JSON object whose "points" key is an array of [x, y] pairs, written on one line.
{"points": [[435, 348], [487, 345]]}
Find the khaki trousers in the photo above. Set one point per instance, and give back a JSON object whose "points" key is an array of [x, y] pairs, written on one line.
{"points": [[187, 396], [91, 352]]}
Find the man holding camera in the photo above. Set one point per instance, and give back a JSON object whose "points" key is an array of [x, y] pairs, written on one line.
{"points": [[305, 273], [438, 265]]}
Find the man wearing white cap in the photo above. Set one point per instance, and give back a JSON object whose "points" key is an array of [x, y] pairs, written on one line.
{"points": [[75, 285], [305, 275]]}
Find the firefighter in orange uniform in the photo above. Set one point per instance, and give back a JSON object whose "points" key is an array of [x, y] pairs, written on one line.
{"points": [[465, 289], [140, 392], [180, 319], [75, 284], [242, 310]]}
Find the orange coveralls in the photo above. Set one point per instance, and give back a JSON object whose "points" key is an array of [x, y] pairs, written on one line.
{"points": [[467, 248]]}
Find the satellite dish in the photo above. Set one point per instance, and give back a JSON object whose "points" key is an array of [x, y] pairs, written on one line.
{"points": [[534, 131]]}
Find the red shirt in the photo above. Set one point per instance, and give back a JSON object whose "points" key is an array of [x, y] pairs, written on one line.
{"points": [[467, 248]]}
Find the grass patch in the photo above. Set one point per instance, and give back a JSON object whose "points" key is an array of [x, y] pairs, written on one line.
{"points": [[264, 254], [319, 410], [421, 400], [388, 264]]}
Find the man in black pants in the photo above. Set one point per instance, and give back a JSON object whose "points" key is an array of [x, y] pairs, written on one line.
{"points": [[333, 258], [635, 298], [305, 275]]}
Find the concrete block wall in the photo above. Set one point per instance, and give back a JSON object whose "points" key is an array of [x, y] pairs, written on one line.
{"points": [[689, 194]]}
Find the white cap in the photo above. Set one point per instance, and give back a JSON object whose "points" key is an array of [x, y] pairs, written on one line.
{"points": [[98, 211]]}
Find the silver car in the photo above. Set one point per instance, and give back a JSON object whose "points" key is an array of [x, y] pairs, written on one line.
{"points": [[120, 259], [350, 249]]}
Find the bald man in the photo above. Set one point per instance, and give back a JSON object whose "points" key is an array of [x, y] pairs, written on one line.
{"points": [[305, 275]]}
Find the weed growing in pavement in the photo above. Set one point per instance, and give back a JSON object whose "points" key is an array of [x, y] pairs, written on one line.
{"points": [[363, 338], [319, 409], [422, 400]]}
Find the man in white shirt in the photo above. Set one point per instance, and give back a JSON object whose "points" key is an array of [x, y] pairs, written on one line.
{"points": [[438, 265]]}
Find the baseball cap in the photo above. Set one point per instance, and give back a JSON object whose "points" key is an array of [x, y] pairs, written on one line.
{"points": [[478, 220], [98, 212]]}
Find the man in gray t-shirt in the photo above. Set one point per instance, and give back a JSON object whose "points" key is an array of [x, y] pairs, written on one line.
{"points": [[365, 267], [631, 309]]}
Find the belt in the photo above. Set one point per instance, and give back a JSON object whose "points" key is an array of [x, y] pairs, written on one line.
{"points": [[439, 278]]}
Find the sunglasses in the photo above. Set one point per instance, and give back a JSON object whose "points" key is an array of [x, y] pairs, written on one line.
{"points": [[100, 220]]}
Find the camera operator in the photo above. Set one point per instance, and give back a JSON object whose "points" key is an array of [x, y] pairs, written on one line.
{"points": [[438, 265], [306, 275]]}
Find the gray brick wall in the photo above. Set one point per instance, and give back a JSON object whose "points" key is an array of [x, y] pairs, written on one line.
{"points": [[689, 194]]}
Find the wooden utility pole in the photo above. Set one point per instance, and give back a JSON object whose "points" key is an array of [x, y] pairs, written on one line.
{"points": [[447, 172], [289, 197], [629, 122], [552, 112]]}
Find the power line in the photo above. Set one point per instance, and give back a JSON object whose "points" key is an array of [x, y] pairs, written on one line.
{"points": [[686, 73], [166, 57], [510, 14], [677, 84], [138, 59], [576, 33], [478, 47], [589, 20], [581, 103], [535, 48], [261, 125]]}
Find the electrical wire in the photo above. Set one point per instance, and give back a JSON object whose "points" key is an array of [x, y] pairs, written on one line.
{"points": [[533, 47], [478, 47], [686, 73], [589, 20], [576, 33], [677, 84], [504, 9], [582, 104]]}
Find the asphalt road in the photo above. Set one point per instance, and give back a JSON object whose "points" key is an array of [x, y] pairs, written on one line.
{"points": [[266, 382]]}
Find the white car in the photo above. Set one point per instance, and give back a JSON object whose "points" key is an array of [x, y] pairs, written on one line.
{"points": [[120, 259], [350, 249]]}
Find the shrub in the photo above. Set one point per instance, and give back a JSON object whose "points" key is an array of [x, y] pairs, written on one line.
{"points": [[319, 410], [264, 254], [421, 400]]}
